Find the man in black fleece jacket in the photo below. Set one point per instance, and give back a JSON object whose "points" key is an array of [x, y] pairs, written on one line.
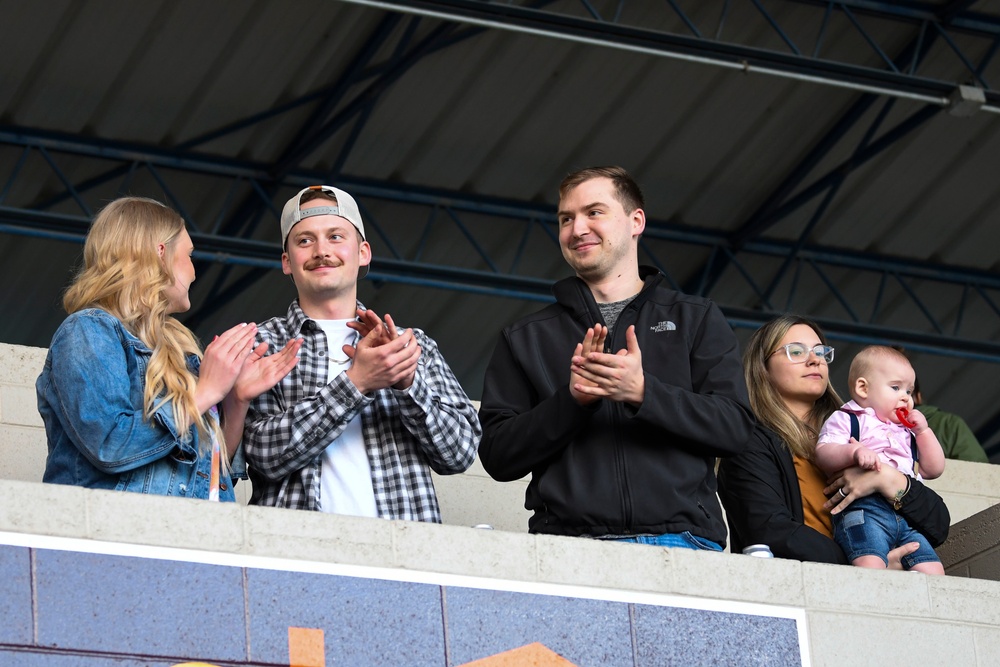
{"points": [[618, 397]]}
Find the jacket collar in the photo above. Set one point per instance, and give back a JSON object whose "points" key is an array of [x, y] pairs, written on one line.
{"points": [[575, 295]]}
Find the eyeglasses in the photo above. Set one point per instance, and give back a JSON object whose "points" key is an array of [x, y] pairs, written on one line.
{"points": [[798, 353]]}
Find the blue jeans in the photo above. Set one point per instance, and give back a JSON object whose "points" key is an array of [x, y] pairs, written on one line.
{"points": [[870, 527], [683, 540]]}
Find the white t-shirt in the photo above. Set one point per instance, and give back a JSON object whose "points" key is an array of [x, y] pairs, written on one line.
{"points": [[345, 473]]}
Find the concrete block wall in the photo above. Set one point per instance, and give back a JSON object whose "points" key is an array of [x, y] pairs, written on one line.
{"points": [[22, 437], [848, 616], [973, 547], [474, 498], [968, 488]]}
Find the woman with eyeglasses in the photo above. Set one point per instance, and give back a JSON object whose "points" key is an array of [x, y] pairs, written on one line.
{"points": [[773, 492]]}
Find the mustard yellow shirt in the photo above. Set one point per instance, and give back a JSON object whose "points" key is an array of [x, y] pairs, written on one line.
{"points": [[811, 483]]}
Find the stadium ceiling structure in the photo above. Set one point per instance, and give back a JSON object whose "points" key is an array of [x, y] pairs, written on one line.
{"points": [[891, 71]]}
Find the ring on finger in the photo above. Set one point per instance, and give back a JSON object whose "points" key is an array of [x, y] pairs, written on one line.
{"points": [[841, 492]]}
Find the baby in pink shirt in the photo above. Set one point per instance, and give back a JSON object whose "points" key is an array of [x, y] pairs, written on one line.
{"points": [[881, 384]]}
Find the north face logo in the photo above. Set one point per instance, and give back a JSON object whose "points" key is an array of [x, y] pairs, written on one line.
{"points": [[663, 326]]}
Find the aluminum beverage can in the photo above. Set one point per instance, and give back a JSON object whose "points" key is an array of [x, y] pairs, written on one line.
{"points": [[758, 551]]}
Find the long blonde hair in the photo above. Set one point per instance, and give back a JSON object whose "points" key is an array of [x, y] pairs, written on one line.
{"points": [[124, 275], [767, 404]]}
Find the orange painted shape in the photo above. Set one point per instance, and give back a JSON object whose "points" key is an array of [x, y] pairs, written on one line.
{"points": [[305, 648], [532, 655]]}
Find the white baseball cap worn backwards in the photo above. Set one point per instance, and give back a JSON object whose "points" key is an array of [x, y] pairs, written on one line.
{"points": [[346, 208]]}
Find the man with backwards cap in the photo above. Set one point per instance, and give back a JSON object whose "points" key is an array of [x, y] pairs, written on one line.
{"points": [[371, 408]]}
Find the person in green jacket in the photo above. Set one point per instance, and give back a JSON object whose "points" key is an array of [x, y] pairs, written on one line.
{"points": [[957, 439]]}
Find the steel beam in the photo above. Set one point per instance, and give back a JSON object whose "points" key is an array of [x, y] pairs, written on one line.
{"points": [[232, 168], [780, 203], [583, 25], [200, 163], [23, 218]]}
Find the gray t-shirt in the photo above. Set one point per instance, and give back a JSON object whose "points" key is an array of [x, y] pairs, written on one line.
{"points": [[611, 311]]}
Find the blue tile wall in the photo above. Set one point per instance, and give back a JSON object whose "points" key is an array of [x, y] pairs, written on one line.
{"points": [[671, 635], [140, 606], [482, 623], [364, 621], [114, 611], [15, 595], [48, 659]]}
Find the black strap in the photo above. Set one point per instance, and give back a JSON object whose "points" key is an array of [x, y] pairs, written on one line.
{"points": [[855, 426], [856, 434]]}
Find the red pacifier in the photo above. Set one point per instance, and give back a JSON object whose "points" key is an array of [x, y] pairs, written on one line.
{"points": [[902, 414]]}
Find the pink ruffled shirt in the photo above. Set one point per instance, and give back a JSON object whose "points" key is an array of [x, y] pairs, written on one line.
{"points": [[891, 442]]}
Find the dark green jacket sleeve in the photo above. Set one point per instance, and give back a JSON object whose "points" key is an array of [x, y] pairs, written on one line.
{"points": [[956, 438]]}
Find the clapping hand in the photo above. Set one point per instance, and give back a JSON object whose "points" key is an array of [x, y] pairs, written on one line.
{"points": [[260, 372], [579, 385], [221, 364], [384, 357], [618, 377]]}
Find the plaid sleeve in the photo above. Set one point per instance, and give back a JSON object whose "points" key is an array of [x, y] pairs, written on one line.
{"points": [[288, 427], [436, 411]]}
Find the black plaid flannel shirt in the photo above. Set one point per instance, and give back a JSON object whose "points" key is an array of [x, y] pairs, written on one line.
{"points": [[431, 425]]}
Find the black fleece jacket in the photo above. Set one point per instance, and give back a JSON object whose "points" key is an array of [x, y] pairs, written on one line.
{"points": [[609, 468]]}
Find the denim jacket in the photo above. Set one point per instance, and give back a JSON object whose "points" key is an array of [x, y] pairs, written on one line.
{"points": [[90, 397]]}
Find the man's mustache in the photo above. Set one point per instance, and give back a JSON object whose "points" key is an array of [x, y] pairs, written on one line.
{"points": [[316, 263]]}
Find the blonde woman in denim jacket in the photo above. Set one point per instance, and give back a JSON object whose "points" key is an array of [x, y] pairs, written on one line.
{"points": [[129, 400]]}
